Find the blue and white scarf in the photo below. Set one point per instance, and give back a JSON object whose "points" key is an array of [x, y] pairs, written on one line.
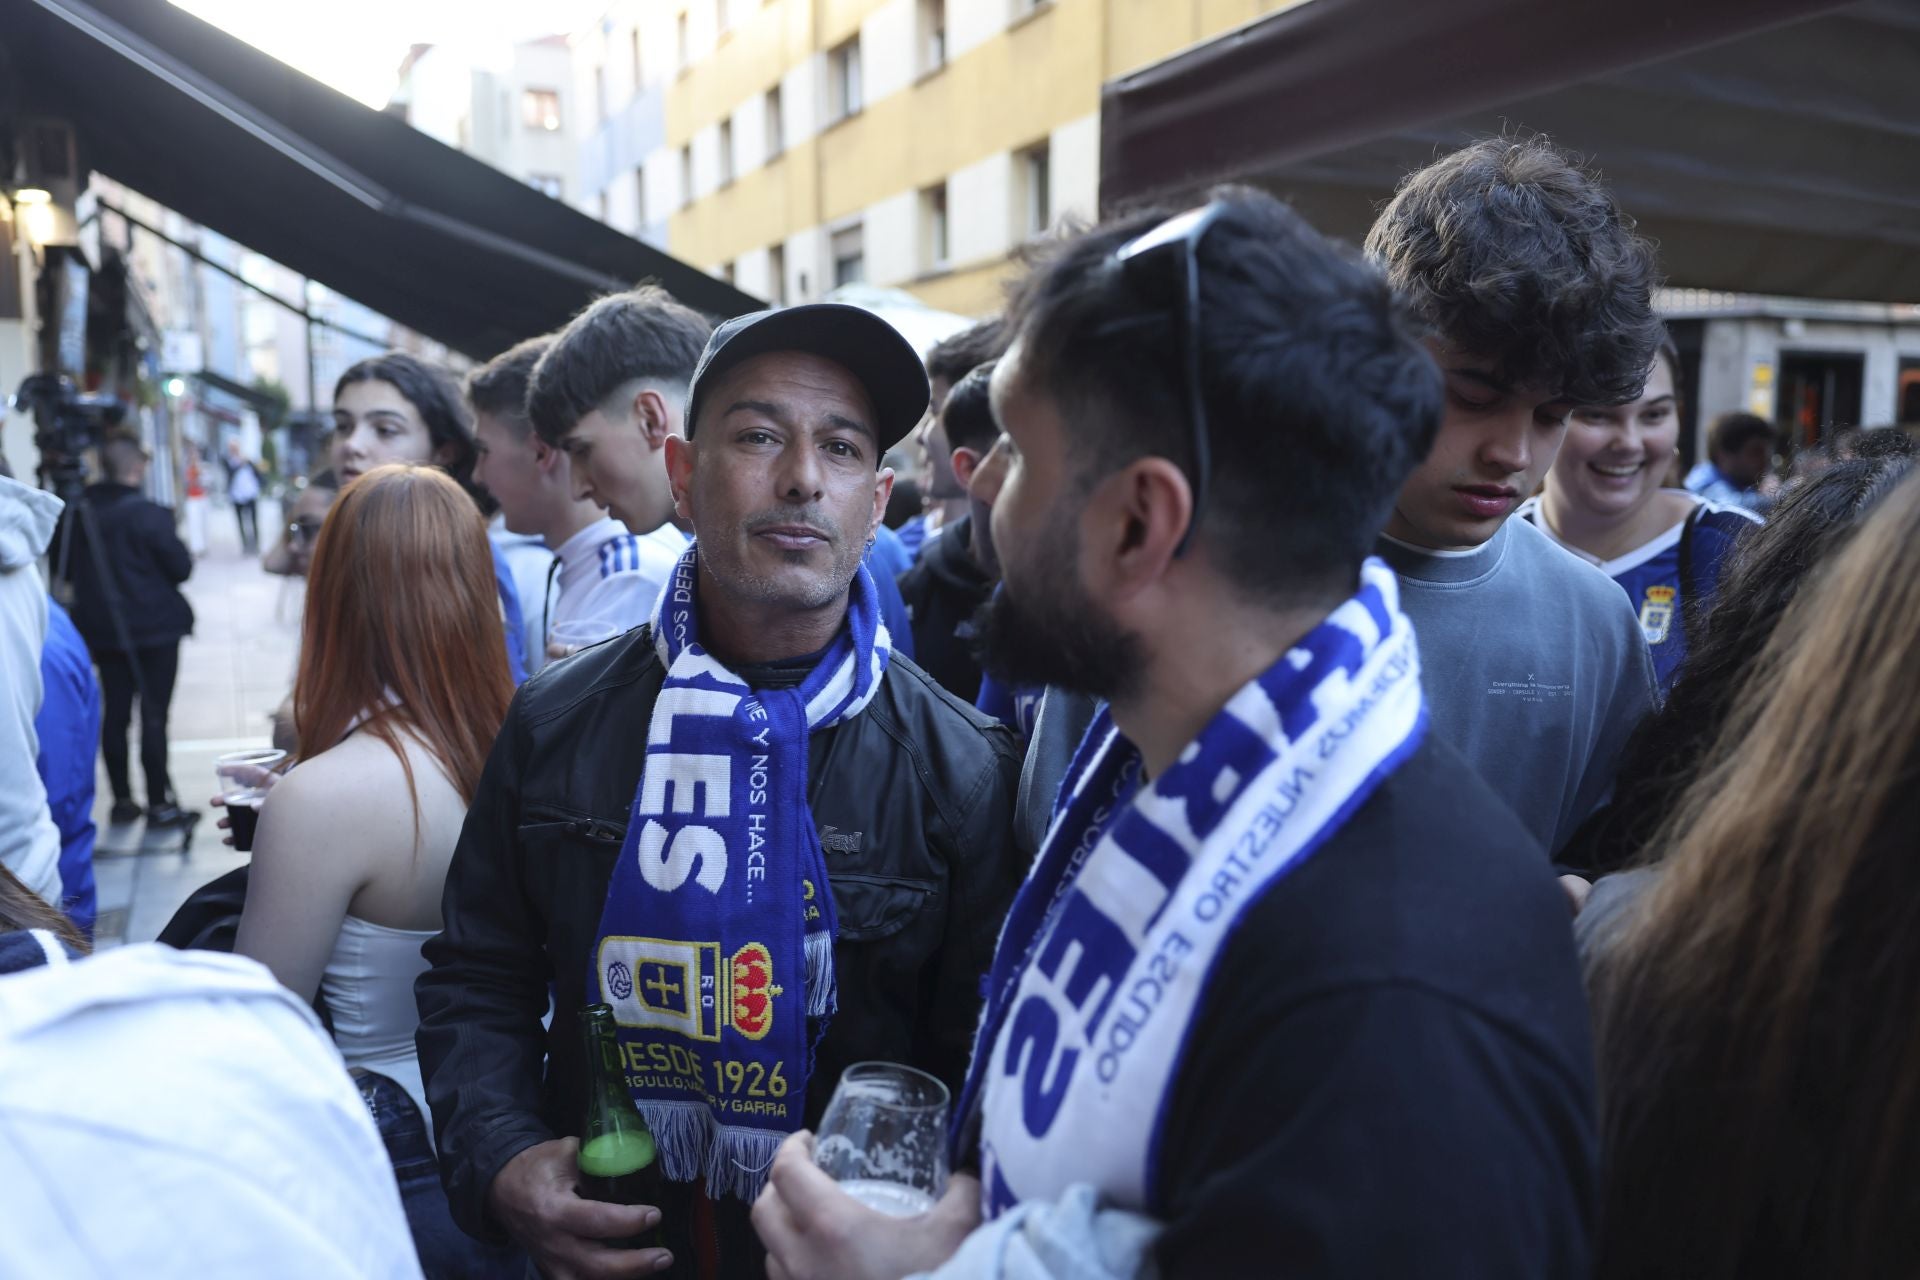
{"points": [[1115, 935], [715, 947]]}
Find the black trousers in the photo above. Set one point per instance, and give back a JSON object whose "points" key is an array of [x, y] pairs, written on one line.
{"points": [[249, 520], [158, 667]]}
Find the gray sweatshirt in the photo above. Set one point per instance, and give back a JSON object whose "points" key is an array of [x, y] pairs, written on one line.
{"points": [[1535, 669], [29, 842]]}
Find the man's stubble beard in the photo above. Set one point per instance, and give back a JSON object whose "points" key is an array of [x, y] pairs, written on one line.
{"points": [[1050, 632], [732, 574]]}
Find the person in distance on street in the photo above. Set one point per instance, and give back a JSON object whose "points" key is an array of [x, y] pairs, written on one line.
{"points": [[803, 806], [135, 576], [1739, 456], [1235, 995]]}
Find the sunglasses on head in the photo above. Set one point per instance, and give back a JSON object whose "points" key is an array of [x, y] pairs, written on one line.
{"points": [[1164, 266]]}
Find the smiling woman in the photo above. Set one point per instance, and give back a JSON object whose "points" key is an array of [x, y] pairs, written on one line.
{"points": [[1604, 502]]}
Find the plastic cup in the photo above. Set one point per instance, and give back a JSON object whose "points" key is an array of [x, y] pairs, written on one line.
{"points": [[243, 779]]}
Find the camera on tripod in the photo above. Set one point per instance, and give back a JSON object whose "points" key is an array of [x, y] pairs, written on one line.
{"points": [[67, 423]]}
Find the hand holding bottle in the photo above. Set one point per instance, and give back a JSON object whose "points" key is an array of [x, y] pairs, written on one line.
{"points": [[536, 1197]]}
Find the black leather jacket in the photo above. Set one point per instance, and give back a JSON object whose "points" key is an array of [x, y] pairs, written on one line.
{"points": [[914, 799]]}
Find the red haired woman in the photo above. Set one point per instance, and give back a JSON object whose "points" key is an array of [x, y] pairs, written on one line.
{"points": [[402, 686]]}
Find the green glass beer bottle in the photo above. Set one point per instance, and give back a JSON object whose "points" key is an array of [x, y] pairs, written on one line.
{"points": [[617, 1163]]}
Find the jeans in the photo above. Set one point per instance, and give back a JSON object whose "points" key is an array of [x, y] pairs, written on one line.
{"points": [[158, 667], [446, 1252], [249, 519]]}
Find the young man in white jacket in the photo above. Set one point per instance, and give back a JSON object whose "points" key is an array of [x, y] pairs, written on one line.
{"points": [[29, 841]]}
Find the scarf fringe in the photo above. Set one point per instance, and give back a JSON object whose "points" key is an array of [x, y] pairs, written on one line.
{"points": [[823, 988], [738, 1160], [681, 1133], [733, 1160]]}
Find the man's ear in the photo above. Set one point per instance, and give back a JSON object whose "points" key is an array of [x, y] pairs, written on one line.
{"points": [[1132, 523], [680, 462], [882, 494], [966, 461], [652, 416], [546, 458]]}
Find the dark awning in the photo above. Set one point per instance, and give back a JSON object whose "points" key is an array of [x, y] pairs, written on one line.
{"points": [[354, 198], [1769, 146], [246, 395]]}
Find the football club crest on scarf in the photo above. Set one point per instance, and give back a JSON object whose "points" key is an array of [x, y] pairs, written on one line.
{"points": [[715, 947], [1114, 937]]}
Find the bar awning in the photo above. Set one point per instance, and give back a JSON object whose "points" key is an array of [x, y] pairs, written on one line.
{"points": [[1769, 146], [351, 197]]}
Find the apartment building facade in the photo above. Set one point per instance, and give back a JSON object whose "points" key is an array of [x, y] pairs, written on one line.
{"points": [[806, 144], [510, 104], [620, 78]]}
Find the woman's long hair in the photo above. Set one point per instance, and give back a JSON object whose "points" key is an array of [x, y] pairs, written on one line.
{"points": [[22, 908], [1762, 575], [1759, 1014], [403, 625]]}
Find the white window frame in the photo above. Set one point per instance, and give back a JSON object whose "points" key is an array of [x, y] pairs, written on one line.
{"points": [[845, 91], [855, 233], [1036, 189]]}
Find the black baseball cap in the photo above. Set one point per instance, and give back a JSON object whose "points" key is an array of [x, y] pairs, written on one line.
{"points": [[865, 345]]}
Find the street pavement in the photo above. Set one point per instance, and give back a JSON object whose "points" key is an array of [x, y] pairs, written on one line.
{"points": [[234, 670]]}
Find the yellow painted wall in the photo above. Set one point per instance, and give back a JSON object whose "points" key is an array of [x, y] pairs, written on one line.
{"points": [[974, 291], [1008, 93], [760, 208], [749, 60]]}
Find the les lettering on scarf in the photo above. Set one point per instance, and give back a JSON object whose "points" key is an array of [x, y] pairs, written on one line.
{"points": [[715, 947], [1112, 940]]}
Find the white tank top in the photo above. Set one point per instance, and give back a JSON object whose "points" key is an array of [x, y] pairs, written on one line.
{"points": [[368, 988]]}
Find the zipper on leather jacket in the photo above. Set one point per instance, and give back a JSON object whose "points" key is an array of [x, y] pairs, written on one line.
{"points": [[596, 831]]}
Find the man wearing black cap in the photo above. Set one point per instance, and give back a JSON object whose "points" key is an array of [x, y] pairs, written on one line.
{"points": [[755, 776]]}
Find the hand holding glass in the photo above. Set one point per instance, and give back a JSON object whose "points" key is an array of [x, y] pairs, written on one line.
{"points": [[884, 1138], [243, 779]]}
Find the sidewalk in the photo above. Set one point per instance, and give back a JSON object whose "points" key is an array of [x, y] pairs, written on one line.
{"points": [[234, 670]]}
